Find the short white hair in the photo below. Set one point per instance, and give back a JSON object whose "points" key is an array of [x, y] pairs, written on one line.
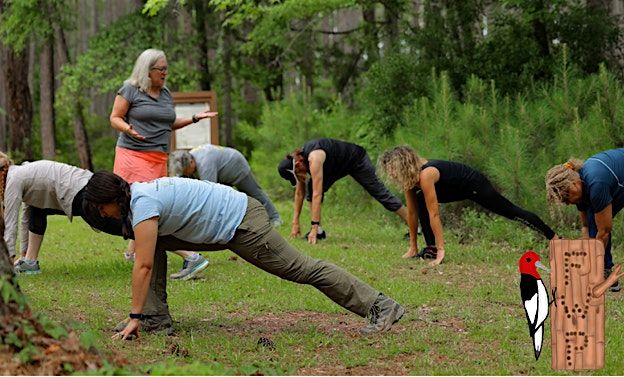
{"points": [[144, 63]]}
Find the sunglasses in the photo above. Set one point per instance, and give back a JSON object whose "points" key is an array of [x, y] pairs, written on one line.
{"points": [[161, 69]]}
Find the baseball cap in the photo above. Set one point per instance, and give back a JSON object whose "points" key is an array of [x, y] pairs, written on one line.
{"points": [[286, 169]]}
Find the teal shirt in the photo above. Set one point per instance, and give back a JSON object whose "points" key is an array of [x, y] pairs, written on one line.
{"points": [[194, 211]]}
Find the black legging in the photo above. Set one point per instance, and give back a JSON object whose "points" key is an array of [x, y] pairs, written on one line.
{"points": [[38, 221], [485, 195]]}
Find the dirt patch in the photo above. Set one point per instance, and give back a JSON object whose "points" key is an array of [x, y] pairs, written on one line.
{"points": [[397, 366], [273, 323]]}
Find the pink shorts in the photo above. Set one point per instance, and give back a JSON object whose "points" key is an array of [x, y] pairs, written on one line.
{"points": [[138, 166]]}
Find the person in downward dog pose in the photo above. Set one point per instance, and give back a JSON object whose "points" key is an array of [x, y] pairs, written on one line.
{"points": [[427, 183], [596, 187]]}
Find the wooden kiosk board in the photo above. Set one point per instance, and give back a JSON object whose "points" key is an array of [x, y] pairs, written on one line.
{"points": [[203, 132]]}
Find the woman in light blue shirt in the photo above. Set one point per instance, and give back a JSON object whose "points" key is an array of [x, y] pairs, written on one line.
{"points": [[201, 215]]}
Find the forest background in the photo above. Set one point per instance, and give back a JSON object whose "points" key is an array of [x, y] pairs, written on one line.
{"points": [[510, 87]]}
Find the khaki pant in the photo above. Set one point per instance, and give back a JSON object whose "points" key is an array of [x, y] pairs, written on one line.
{"points": [[258, 243]]}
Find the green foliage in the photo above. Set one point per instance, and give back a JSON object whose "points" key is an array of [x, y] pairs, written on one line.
{"points": [[51, 328], [23, 19], [10, 293], [391, 85]]}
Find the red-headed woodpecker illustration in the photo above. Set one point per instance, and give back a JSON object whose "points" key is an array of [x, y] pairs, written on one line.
{"points": [[534, 297]]}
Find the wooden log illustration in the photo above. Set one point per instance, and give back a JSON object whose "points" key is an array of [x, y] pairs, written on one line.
{"points": [[577, 316]]}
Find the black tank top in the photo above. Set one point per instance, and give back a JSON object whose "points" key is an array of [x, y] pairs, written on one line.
{"points": [[457, 181], [341, 157]]}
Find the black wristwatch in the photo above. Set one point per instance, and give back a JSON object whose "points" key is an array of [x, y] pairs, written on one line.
{"points": [[194, 119], [315, 222], [137, 316]]}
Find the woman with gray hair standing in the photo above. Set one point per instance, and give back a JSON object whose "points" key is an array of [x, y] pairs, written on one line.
{"points": [[223, 165], [144, 114]]}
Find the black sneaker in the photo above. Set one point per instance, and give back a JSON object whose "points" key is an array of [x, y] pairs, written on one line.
{"points": [[615, 287], [319, 236], [151, 323], [429, 252], [384, 313]]}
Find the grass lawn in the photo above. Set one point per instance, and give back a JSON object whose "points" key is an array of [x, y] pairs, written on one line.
{"points": [[464, 317]]}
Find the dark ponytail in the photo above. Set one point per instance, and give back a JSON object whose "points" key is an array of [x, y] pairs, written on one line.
{"points": [[106, 187]]}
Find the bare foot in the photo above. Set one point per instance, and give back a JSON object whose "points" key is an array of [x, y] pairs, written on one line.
{"points": [[409, 255]]}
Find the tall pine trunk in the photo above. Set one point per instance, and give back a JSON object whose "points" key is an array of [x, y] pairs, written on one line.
{"points": [[19, 103], [46, 102], [227, 88], [80, 132]]}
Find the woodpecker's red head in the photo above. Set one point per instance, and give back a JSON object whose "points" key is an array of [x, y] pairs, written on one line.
{"points": [[528, 263]]}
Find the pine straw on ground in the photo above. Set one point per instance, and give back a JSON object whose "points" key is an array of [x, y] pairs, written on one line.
{"points": [[51, 356]]}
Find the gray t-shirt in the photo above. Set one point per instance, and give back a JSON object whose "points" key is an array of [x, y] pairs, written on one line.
{"points": [[220, 164], [150, 117]]}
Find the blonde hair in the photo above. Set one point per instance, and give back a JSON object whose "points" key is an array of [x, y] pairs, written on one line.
{"points": [[144, 63], [402, 166], [559, 179], [5, 163]]}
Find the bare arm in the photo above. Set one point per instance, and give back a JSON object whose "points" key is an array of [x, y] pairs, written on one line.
{"points": [[316, 159], [118, 118], [412, 222], [299, 196], [604, 223], [146, 233], [584, 224], [181, 122], [428, 179]]}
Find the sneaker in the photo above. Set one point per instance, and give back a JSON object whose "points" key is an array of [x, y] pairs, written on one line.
{"points": [[615, 287], [384, 313], [319, 236], [129, 256], [190, 269], [151, 323], [429, 252], [26, 267]]}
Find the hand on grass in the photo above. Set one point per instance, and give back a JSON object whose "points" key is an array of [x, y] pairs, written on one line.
{"points": [[411, 253], [130, 332], [439, 258], [295, 231], [312, 236]]}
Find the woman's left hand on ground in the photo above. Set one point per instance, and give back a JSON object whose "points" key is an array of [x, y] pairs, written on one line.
{"points": [[206, 114], [439, 258], [130, 332], [312, 236]]}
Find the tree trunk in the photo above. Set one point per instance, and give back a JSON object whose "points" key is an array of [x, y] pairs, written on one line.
{"points": [[46, 102], [3, 103], [19, 103], [227, 88], [80, 132], [201, 28], [370, 33]]}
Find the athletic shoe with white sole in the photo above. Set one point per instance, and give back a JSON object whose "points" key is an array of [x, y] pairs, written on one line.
{"points": [[190, 269], [27, 267]]}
